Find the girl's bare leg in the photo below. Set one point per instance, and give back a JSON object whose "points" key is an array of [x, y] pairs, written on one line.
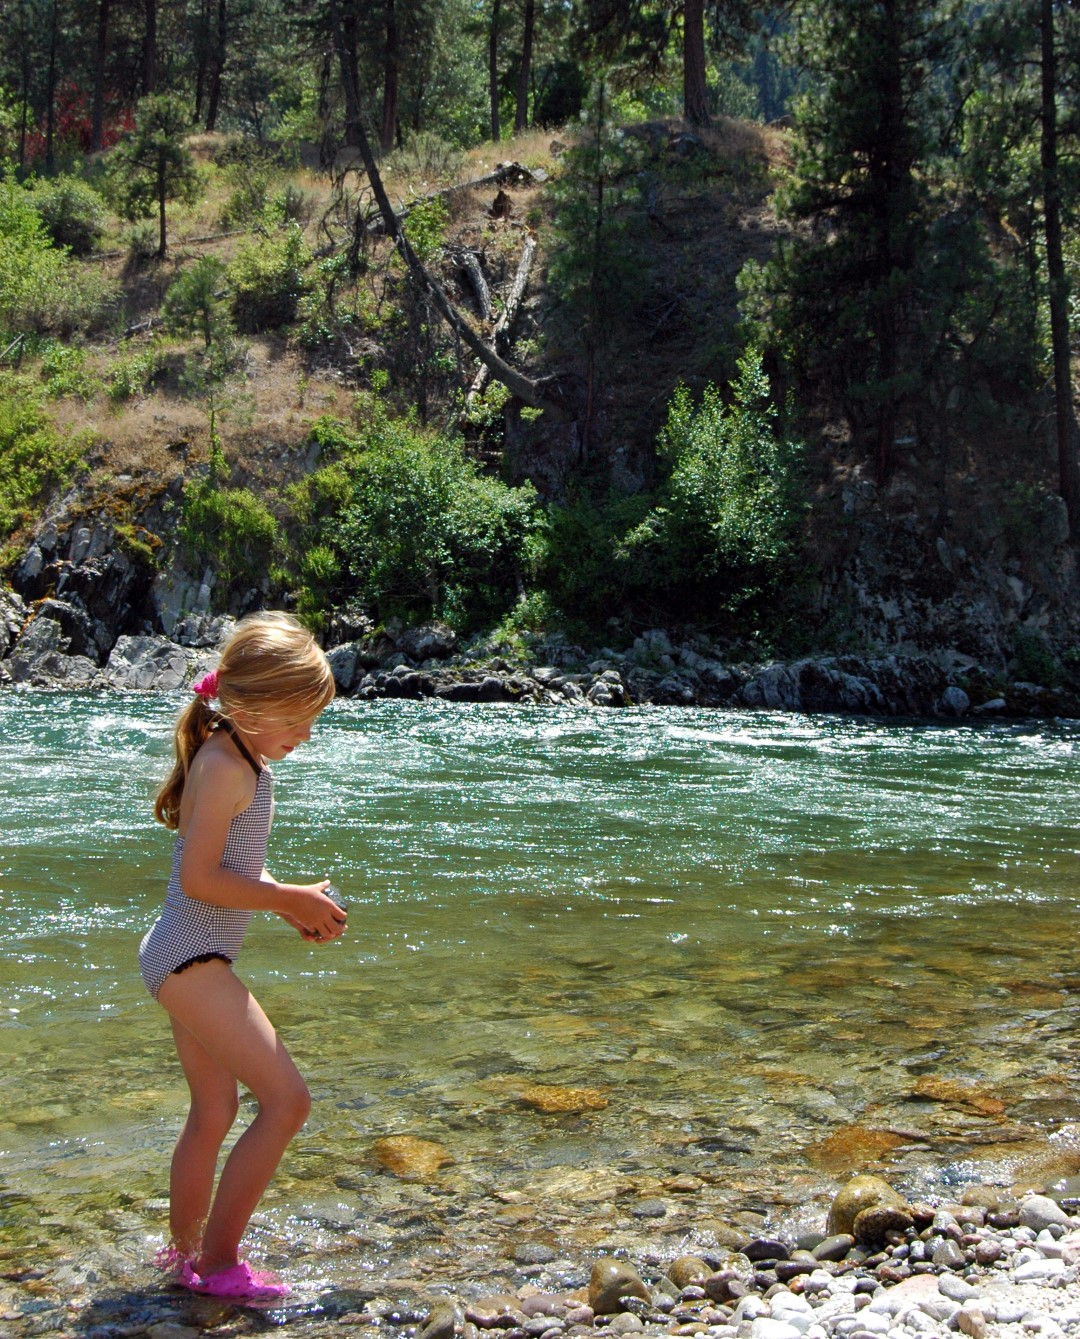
{"points": [[237, 1041], [214, 1105]]}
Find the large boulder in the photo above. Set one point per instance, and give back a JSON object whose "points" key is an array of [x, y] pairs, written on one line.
{"points": [[13, 615], [146, 663]]}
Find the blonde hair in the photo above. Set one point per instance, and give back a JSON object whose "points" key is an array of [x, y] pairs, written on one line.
{"points": [[272, 671]]}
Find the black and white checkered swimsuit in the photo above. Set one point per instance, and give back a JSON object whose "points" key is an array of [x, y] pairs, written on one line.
{"points": [[189, 930]]}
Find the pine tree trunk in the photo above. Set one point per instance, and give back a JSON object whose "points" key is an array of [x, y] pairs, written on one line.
{"points": [[162, 239], [150, 49], [493, 68], [1057, 280], [390, 81], [695, 88], [217, 66], [521, 112], [50, 89], [97, 113]]}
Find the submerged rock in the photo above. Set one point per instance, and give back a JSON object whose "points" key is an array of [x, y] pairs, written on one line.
{"points": [[409, 1157]]}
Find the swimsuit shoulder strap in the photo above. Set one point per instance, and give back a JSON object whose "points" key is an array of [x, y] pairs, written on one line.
{"points": [[231, 731]]}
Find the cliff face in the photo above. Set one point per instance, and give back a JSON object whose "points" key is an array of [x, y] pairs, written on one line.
{"points": [[963, 555]]}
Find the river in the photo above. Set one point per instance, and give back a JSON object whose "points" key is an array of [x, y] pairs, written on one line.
{"points": [[750, 952]]}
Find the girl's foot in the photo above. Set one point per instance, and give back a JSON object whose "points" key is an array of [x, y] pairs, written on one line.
{"points": [[240, 1283], [171, 1260]]}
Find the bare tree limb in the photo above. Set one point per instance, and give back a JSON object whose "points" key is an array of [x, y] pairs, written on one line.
{"points": [[527, 391], [506, 321]]}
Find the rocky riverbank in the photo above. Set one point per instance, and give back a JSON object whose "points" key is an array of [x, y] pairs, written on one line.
{"points": [[988, 1266], [57, 644]]}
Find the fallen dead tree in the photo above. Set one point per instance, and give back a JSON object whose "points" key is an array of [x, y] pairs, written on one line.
{"points": [[505, 323]]}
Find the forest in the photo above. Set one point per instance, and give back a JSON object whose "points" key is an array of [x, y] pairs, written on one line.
{"points": [[601, 315]]}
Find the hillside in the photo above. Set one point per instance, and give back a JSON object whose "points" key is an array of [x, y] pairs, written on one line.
{"points": [[963, 553]]}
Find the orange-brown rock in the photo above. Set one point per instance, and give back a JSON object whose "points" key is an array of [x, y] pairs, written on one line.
{"points": [[407, 1156], [952, 1093], [553, 1099], [852, 1147]]}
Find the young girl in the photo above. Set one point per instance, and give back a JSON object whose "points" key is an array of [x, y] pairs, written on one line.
{"points": [[271, 683]]}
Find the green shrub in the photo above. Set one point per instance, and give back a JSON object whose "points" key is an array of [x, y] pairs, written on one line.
{"points": [[73, 213], [63, 369], [135, 370], [35, 458], [267, 280], [726, 519], [230, 529], [402, 521], [426, 157], [425, 227], [41, 289]]}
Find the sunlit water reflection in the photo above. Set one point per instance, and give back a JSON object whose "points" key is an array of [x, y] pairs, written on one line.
{"points": [[777, 947]]}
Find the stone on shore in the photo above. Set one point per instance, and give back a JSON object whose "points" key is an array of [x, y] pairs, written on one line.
{"points": [[610, 1282], [861, 1193]]}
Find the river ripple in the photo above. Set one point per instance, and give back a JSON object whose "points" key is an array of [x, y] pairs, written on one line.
{"points": [[779, 948]]}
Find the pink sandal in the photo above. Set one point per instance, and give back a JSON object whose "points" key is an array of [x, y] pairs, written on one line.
{"points": [[238, 1283]]}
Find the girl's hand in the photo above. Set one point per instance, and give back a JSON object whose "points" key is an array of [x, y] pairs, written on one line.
{"points": [[291, 920], [317, 916]]}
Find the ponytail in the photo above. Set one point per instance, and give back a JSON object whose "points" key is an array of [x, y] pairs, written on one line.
{"points": [[194, 727], [271, 670]]}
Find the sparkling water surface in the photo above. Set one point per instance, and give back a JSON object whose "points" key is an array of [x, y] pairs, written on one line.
{"points": [[771, 949]]}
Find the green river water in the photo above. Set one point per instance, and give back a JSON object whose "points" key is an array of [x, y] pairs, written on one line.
{"points": [[774, 949]]}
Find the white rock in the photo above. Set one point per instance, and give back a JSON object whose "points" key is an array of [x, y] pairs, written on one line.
{"points": [[1049, 1246], [1039, 1211], [783, 1303], [1038, 1322], [952, 1285], [750, 1308], [767, 1328], [1039, 1271]]}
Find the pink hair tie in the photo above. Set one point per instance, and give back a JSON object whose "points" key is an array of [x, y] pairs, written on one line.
{"points": [[206, 685]]}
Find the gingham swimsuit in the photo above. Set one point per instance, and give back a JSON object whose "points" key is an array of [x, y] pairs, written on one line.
{"points": [[190, 931]]}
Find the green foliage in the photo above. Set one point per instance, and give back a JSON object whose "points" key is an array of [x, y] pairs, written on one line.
{"points": [[136, 369], [404, 520], [63, 370], [230, 529], [425, 227], [716, 536], [267, 279], [728, 511], [600, 226], [1033, 660], [72, 211], [35, 458], [41, 289]]}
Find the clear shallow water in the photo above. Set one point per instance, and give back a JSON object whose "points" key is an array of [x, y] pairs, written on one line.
{"points": [[777, 947]]}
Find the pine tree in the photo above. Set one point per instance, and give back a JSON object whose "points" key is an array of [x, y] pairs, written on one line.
{"points": [[859, 285]]}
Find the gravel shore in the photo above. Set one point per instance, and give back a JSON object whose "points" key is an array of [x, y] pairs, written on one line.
{"points": [[995, 1268]]}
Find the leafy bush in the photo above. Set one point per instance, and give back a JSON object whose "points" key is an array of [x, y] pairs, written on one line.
{"points": [[425, 227], [40, 288], [228, 528], [34, 457], [715, 536], [63, 369], [427, 157], [73, 213], [135, 370], [729, 507], [267, 280], [405, 520]]}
